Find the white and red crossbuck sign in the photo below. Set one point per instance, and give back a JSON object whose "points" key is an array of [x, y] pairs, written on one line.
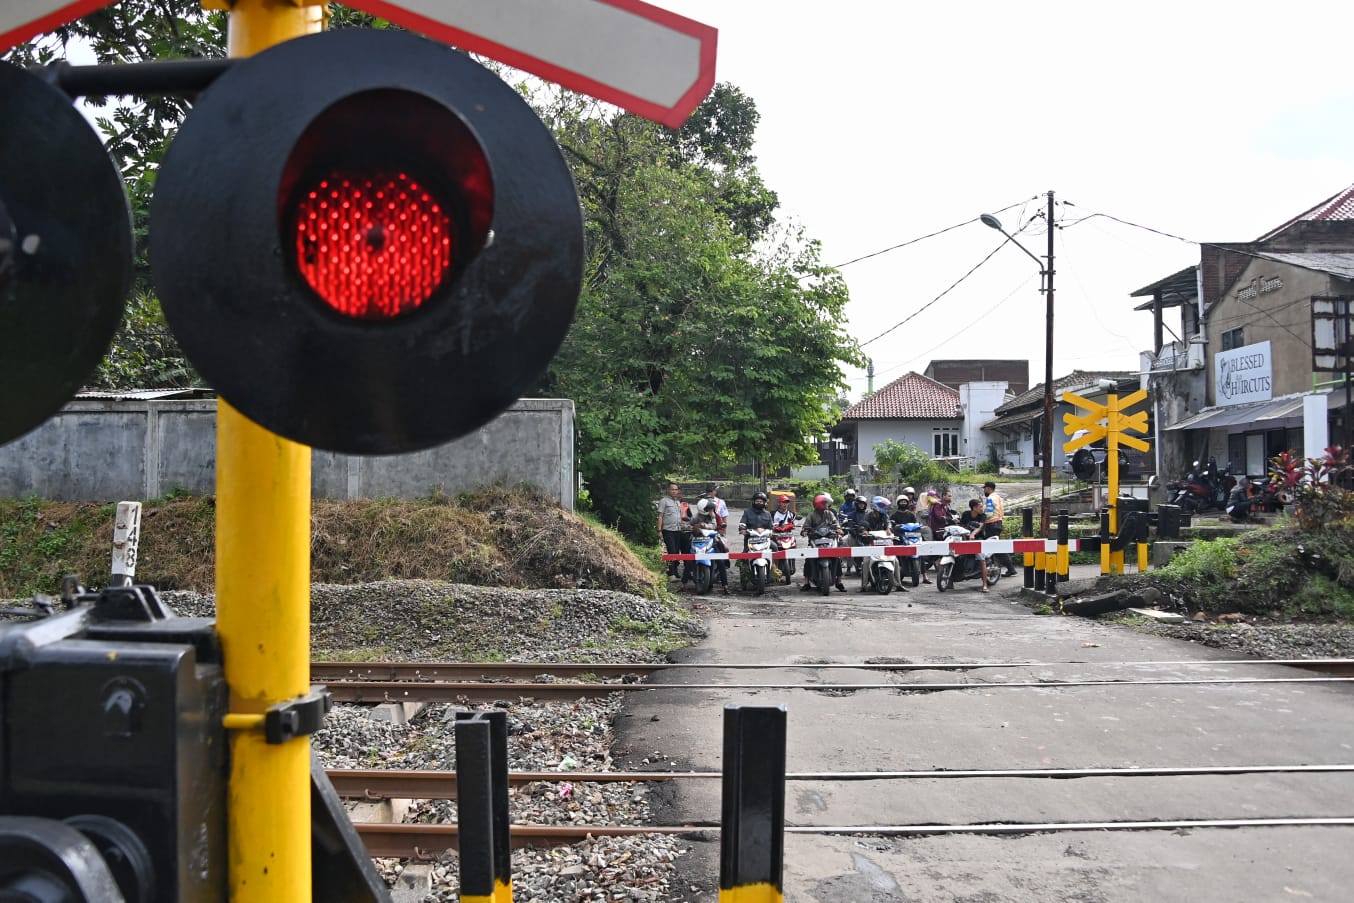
{"points": [[641, 58]]}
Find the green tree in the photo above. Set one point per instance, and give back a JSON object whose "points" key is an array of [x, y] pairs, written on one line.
{"points": [[702, 337]]}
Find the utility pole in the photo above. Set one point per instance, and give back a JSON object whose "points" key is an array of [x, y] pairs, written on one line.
{"points": [[1046, 505]]}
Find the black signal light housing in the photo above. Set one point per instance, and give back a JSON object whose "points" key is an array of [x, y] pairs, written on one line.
{"points": [[366, 241], [65, 250]]}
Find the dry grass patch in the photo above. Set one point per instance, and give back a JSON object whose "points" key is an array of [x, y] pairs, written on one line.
{"points": [[494, 537]]}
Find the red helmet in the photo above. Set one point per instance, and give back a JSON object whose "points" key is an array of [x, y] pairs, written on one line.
{"points": [[784, 500], [820, 502]]}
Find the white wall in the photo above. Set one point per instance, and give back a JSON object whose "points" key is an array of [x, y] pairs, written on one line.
{"points": [[980, 402], [870, 433]]}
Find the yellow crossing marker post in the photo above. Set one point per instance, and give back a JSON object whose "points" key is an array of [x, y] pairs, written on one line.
{"points": [[1112, 422]]}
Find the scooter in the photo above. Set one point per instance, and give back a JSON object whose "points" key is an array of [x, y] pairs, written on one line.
{"points": [[823, 572], [783, 539], [953, 568], [758, 570], [704, 542], [877, 571], [909, 535]]}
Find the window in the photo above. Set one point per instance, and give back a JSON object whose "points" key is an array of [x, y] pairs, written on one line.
{"points": [[945, 444], [1233, 338]]}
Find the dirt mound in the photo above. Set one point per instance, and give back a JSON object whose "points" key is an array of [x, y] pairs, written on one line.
{"points": [[495, 537]]}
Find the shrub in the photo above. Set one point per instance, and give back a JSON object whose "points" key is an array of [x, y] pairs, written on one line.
{"points": [[908, 464], [1318, 487]]}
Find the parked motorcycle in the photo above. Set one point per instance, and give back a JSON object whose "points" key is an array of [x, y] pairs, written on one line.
{"points": [[952, 568], [758, 570], [823, 572], [782, 540], [704, 542], [877, 571], [1203, 488], [909, 535]]}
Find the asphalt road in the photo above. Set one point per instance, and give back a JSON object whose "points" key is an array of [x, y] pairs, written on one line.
{"points": [[992, 727]]}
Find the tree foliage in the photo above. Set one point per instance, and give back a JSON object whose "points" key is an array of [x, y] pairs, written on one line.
{"points": [[706, 334]]}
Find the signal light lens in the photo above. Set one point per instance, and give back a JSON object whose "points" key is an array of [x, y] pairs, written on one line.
{"points": [[385, 199], [372, 247]]}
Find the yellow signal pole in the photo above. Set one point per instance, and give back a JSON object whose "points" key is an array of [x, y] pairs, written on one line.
{"points": [[263, 588]]}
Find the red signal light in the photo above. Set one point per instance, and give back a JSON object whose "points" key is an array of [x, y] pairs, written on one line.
{"points": [[372, 247], [374, 259]]}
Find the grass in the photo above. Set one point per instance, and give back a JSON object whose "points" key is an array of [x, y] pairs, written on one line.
{"points": [[495, 537]]}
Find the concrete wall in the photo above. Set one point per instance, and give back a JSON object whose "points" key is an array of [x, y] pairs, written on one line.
{"points": [[1282, 317], [106, 451]]}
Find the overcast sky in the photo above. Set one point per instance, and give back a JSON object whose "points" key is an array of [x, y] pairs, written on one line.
{"points": [[883, 122]]}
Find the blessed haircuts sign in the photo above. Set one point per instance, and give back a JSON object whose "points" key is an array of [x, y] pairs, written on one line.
{"points": [[1244, 374]]}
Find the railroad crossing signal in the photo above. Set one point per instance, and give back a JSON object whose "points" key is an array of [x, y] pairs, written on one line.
{"points": [[1108, 421], [377, 258], [65, 250]]}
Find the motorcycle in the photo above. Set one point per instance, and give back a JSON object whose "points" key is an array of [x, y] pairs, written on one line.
{"points": [[757, 570], [704, 542], [877, 571], [1202, 489], [909, 535], [823, 572], [783, 539], [952, 568]]}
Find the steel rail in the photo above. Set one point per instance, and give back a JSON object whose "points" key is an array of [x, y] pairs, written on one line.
{"points": [[415, 841], [334, 671], [361, 691], [378, 784]]}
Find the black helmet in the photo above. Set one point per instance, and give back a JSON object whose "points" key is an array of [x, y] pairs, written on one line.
{"points": [[759, 496]]}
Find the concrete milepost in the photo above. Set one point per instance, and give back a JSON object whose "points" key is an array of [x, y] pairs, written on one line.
{"points": [[641, 58]]}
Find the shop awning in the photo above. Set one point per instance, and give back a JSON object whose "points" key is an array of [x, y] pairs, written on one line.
{"points": [[1260, 412]]}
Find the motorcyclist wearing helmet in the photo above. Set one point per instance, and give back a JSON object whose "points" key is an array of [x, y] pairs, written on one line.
{"points": [[849, 505], [821, 516], [783, 518], [705, 517], [755, 518], [902, 511], [877, 518]]}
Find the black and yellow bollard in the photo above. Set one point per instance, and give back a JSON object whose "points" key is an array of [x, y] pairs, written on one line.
{"points": [[498, 802], [1064, 547], [1026, 532], [483, 840], [752, 825]]}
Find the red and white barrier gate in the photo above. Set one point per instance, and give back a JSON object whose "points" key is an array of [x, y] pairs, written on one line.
{"points": [[924, 549]]}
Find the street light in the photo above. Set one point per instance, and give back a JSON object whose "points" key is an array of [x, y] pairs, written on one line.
{"points": [[1046, 272]]}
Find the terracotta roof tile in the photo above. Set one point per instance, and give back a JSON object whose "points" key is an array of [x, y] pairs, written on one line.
{"points": [[911, 396], [1340, 206]]}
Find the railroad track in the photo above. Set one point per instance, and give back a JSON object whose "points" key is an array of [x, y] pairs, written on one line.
{"points": [[377, 682], [440, 671], [448, 682], [424, 842]]}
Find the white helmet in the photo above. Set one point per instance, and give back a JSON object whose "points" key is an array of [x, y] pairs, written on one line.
{"points": [[850, 494], [908, 490], [705, 506]]}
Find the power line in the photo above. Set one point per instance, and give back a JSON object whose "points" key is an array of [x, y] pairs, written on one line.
{"points": [[953, 285], [913, 241]]}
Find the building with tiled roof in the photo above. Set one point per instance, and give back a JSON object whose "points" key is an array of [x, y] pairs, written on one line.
{"points": [[909, 397], [917, 410], [1243, 348]]}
